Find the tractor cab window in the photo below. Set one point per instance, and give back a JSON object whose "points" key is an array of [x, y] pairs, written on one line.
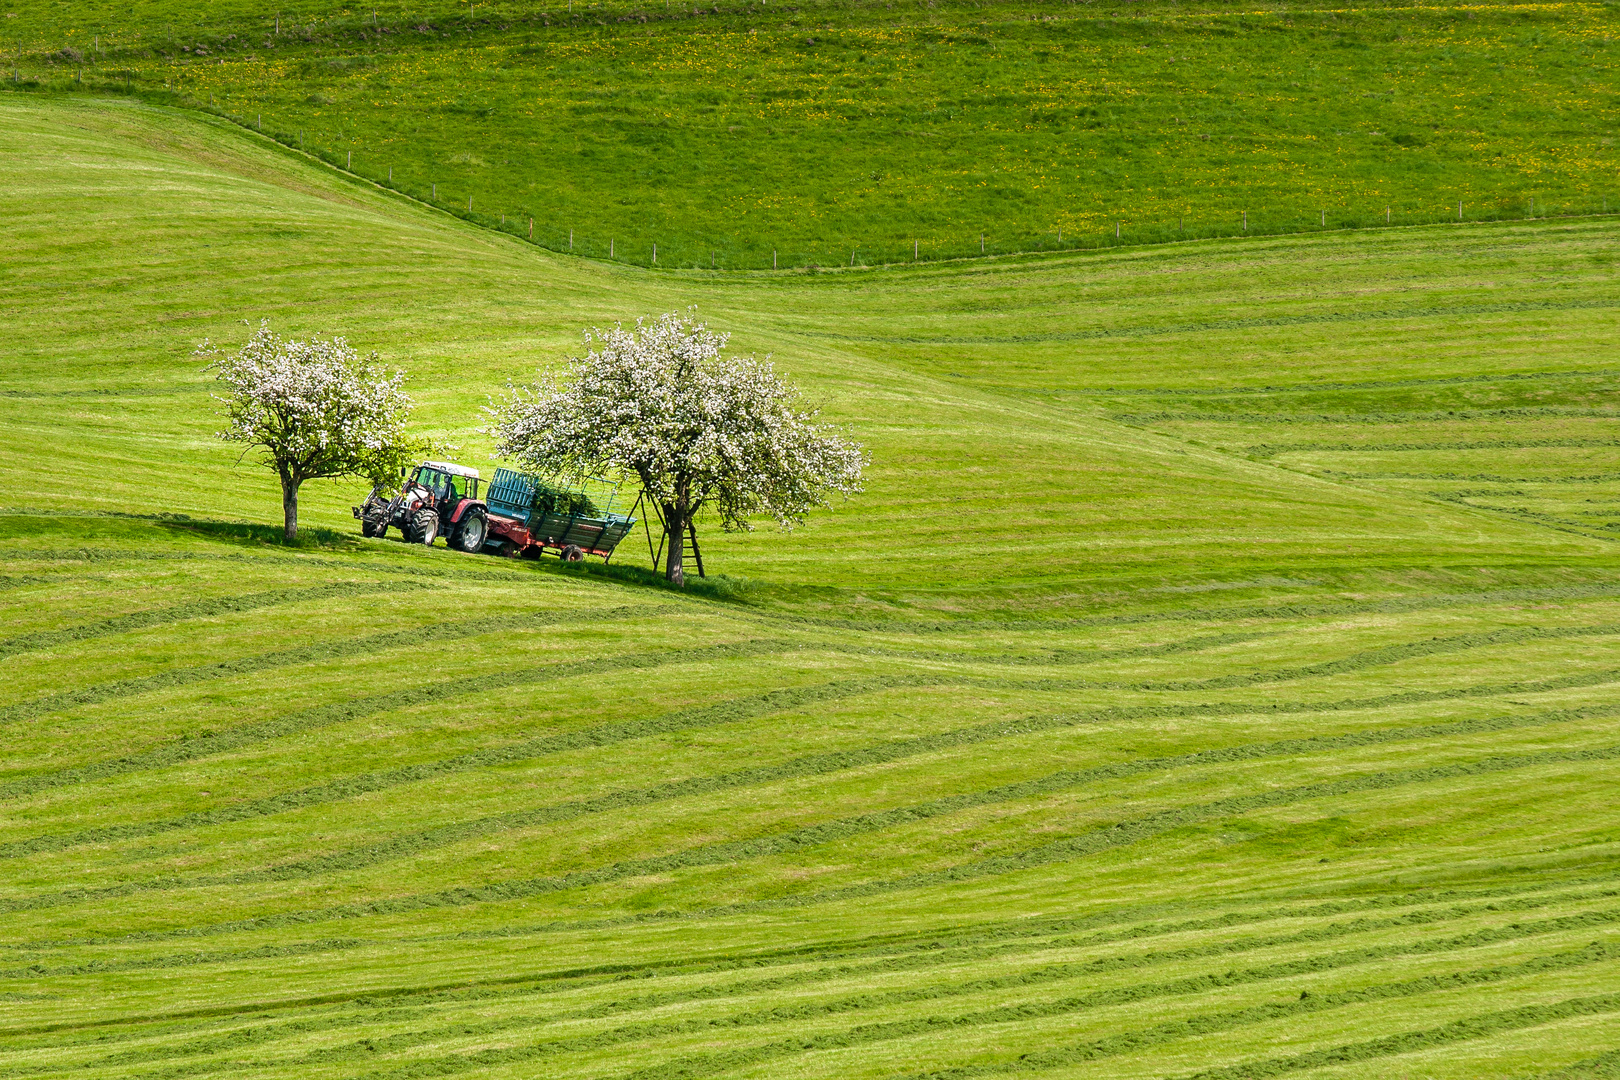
{"points": [[446, 485], [435, 481]]}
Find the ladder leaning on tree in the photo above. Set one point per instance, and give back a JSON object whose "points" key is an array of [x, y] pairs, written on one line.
{"points": [[691, 557]]}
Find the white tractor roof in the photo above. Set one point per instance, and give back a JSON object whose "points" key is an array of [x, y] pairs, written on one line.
{"points": [[452, 469]]}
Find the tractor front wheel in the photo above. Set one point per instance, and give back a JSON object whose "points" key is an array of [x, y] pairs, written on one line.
{"points": [[373, 525], [426, 527], [470, 536]]}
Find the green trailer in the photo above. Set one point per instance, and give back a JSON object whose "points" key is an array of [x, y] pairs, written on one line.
{"points": [[528, 515]]}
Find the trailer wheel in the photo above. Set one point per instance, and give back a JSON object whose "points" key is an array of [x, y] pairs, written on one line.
{"points": [[572, 553], [427, 527], [470, 537]]}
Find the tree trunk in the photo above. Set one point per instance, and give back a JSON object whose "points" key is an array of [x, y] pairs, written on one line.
{"points": [[676, 520], [289, 507]]}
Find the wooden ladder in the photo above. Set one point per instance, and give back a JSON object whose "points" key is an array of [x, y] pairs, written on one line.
{"points": [[691, 555]]}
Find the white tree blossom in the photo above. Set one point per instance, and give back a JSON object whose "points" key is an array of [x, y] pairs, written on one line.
{"points": [[697, 428], [312, 408]]}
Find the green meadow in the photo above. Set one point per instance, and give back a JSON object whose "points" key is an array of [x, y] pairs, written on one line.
{"points": [[1214, 680], [847, 132]]}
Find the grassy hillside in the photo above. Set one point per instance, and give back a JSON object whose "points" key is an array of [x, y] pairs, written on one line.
{"points": [[826, 133], [1172, 704]]}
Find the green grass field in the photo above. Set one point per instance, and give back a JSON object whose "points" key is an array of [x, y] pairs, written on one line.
{"points": [[834, 132], [1214, 680]]}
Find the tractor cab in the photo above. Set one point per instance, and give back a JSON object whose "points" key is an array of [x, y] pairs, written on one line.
{"points": [[447, 483]]}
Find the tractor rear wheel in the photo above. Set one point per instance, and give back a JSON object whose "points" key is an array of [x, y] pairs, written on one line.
{"points": [[470, 536], [426, 527]]}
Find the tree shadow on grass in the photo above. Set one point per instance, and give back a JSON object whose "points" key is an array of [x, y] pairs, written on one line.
{"points": [[310, 537]]}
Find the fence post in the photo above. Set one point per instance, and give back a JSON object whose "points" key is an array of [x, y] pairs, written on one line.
{"points": [[981, 243], [655, 254], [570, 234], [610, 247], [435, 191], [1386, 215], [914, 251], [469, 204], [350, 165], [1116, 230], [773, 258], [1324, 219], [1245, 221]]}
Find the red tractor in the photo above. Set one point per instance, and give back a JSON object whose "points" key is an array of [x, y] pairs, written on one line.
{"points": [[439, 499]]}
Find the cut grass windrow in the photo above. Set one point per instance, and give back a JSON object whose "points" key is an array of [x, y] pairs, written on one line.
{"points": [[1476, 478], [1335, 387], [320, 716], [712, 1064], [1046, 974], [914, 948], [1602, 1067], [1367, 658], [1119, 835], [1271, 450], [1467, 1030], [728, 712], [196, 609], [183, 960], [810, 765], [1068, 971], [709, 1064], [342, 650], [1338, 609], [1527, 412], [699, 718], [607, 734], [313, 654], [1049, 335]]}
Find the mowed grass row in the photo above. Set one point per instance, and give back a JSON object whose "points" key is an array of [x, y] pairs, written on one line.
{"points": [[960, 784], [850, 134], [266, 767], [562, 1022], [255, 736], [1539, 449]]}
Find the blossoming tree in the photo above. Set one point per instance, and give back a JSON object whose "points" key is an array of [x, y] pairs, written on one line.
{"points": [[312, 408], [698, 428]]}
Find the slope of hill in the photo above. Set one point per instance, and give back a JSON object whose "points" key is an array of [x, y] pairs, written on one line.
{"points": [[1148, 716], [830, 133]]}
